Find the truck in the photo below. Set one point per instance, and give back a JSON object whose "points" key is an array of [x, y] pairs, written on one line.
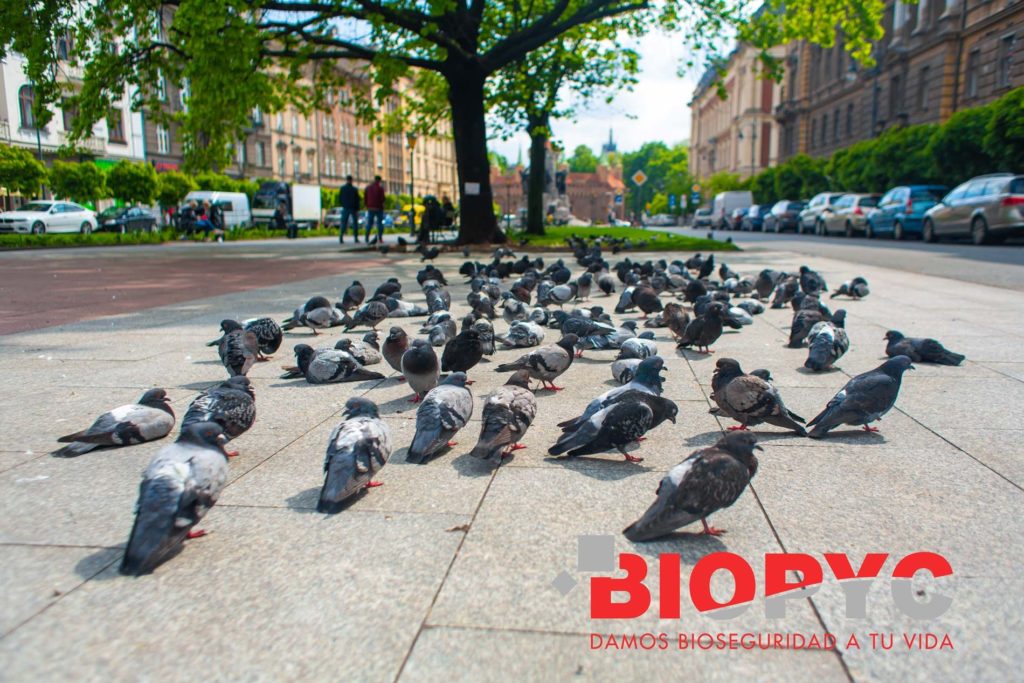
{"points": [[727, 202], [303, 202]]}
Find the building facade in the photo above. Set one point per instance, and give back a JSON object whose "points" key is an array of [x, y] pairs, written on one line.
{"points": [[937, 57], [737, 133]]}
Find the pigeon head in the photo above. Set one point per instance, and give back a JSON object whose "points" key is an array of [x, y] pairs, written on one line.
{"points": [[728, 368], [457, 379], [741, 445], [359, 407], [153, 397], [804, 270], [371, 338], [568, 342], [893, 335], [343, 345], [764, 374], [207, 434], [646, 335], [648, 372], [395, 334], [241, 383], [715, 310], [520, 378], [630, 325], [839, 318], [303, 355], [356, 283], [664, 409], [229, 326], [896, 366]]}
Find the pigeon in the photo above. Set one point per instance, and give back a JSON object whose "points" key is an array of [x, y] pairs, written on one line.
{"points": [[803, 320], [328, 366], [394, 347], [752, 306], [441, 333], [546, 363], [485, 329], [389, 288], [606, 283], [358, 448], [507, 414], [709, 480], [443, 412], [463, 352], [811, 282], [317, 313], [522, 335], [583, 284], [149, 419], [704, 330], [181, 484], [420, 368], [750, 400], [647, 300], [766, 282], [707, 267], [637, 347], [920, 350], [230, 404], [827, 342], [647, 379], [857, 288], [353, 296], [785, 291], [624, 370], [268, 336], [238, 348], [558, 295], [624, 421], [727, 273], [864, 399], [370, 314], [366, 350]]}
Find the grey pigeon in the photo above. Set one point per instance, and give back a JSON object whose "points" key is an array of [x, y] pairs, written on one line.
{"points": [[317, 313], [149, 419], [920, 350], [864, 399], [181, 484], [624, 370], [420, 368], [268, 335], [785, 291], [546, 363], [358, 448], [857, 288], [443, 412], [637, 347], [647, 378], [238, 348], [827, 342], [766, 282], [230, 404], [353, 296], [328, 366], [507, 414], [704, 330], [370, 314], [365, 350], [625, 420], [522, 335], [751, 306], [485, 329], [394, 347], [749, 399], [811, 282], [709, 480]]}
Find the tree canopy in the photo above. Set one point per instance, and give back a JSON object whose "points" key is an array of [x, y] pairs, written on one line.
{"points": [[132, 183], [20, 171]]}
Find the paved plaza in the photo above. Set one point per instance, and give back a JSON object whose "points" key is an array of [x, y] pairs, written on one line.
{"points": [[445, 572]]}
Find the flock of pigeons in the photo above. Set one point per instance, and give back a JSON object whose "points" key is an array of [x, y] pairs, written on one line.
{"points": [[184, 479]]}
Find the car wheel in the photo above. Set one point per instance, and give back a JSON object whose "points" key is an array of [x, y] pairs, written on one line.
{"points": [[849, 229], [897, 231], [819, 229], [979, 231], [38, 228], [928, 232], [86, 228], [869, 232]]}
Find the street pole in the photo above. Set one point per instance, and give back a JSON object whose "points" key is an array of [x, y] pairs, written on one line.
{"points": [[411, 139]]}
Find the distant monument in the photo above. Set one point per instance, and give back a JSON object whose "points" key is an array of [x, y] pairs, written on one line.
{"points": [[609, 147]]}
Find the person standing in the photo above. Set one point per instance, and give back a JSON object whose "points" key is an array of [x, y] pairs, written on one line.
{"points": [[348, 199], [374, 198]]}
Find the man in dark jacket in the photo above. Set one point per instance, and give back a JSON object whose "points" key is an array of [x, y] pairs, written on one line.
{"points": [[374, 196], [348, 200]]}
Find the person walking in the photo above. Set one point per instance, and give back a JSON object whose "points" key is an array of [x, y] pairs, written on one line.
{"points": [[374, 198], [281, 222], [348, 199]]}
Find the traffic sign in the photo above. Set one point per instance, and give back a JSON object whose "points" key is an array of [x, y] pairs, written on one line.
{"points": [[639, 178], [695, 198], [671, 201], [696, 187], [618, 199]]}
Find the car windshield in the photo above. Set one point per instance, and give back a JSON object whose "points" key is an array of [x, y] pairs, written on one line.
{"points": [[932, 193], [869, 201], [35, 206], [112, 212], [1017, 186], [265, 200]]}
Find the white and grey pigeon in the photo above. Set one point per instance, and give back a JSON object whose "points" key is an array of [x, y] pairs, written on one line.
{"points": [[864, 399], [365, 350], [231, 404], [441, 414], [181, 484], [827, 342], [420, 368], [624, 369], [316, 314], [522, 335], [647, 378], [546, 363], [507, 414], [709, 480], [358, 448], [638, 347], [149, 419], [238, 348], [328, 366]]}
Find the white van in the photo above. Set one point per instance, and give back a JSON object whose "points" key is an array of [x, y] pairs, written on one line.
{"points": [[727, 202], [234, 206]]}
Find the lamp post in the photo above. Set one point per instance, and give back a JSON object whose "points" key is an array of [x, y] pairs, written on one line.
{"points": [[410, 138]]}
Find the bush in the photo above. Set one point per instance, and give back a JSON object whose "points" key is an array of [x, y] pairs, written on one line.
{"points": [[1004, 134], [132, 183], [957, 148], [900, 157], [20, 171], [763, 187], [82, 182], [172, 187], [217, 182]]}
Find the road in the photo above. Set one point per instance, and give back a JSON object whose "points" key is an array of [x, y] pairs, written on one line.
{"points": [[997, 266]]}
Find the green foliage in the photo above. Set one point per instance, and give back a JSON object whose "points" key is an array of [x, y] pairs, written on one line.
{"points": [[957, 148], [723, 182], [583, 160], [555, 236], [132, 183], [1004, 134], [96, 239], [217, 182], [328, 197], [172, 186], [667, 173], [82, 182], [763, 187], [498, 161], [20, 171]]}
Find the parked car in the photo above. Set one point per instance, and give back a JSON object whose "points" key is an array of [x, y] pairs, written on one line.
{"points": [[42, 216], [848, 215], [660, 220], [819, 204], [753, 219], [725, 203], [901, 210], [785, 215], [234, 206], [124, 219], [701, 219], [332, 219], [987, 209], [735, 220]]}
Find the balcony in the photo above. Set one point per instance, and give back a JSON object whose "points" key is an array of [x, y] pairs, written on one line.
{"points": [[90, 144], [5, 131]]}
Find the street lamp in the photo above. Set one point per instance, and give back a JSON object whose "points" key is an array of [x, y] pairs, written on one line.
{"points": [[410, 138]]}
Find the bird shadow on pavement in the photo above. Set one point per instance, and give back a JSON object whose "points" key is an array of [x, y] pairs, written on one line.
{"points": [[398, 406], [600, 468], [691, 546], [206, 362], [694, 355], [807, 371], [199, 386], [95, 566], [704, 438], [468, 466], [305, 501], [853, 437]]}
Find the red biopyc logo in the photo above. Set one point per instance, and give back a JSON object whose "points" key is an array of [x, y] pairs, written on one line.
{"points": [[787, 577]]}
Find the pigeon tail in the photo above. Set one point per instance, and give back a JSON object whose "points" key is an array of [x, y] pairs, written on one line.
{"points": [[653, 525], [950, 358], [155, 536], [74, 450]]}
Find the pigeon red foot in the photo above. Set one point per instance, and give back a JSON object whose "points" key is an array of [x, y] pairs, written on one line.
{"points": [[710, 530], [232, 454], [416, 398], [737, 428], [452, 444], [373, 484], [551, 386], [195, 533], [632, 458], [870, 429]]}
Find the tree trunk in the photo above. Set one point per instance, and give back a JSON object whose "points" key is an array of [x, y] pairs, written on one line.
{"points": [[477, 223], [538, 176]]}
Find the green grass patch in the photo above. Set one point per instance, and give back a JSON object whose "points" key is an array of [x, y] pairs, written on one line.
{"points": [[98, 239], [655, 239]]}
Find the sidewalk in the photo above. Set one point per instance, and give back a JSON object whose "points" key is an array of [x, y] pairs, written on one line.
{"points": [[445, 572]]}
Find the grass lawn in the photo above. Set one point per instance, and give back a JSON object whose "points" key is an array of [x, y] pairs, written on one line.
{"points": [[656, 240]]}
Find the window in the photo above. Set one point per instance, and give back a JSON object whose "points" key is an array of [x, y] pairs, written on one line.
{"points": [[26, 98], [380, 160], [240, 154], [161, 87], [973, 68], [895, 97], [309, 127], [69, 113], [835, 125], [257, 115], [280, 122], [295, 124], [115, 126], [922, 89], [1005, 61], [849, 120], [261, 154], [163, 140], [296, 165], [280, 165], [310, 164], [814, 132]]}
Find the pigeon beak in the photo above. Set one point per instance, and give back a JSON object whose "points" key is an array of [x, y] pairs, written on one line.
{"points": [[673, 419], [222, 440], [911, 367], [759, 448]]}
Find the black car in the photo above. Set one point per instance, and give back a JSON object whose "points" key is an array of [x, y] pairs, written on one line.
{"points": [[785, 215], [126, 219], [753, 219]]}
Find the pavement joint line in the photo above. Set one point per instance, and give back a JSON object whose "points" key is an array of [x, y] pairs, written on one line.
{"points": [[987, 366], [24, 544]]}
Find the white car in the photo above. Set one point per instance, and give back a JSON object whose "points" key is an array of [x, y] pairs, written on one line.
{"points": [[42, 216]]}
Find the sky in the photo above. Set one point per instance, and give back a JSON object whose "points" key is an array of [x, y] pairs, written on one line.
{"points": [[656, 109]]}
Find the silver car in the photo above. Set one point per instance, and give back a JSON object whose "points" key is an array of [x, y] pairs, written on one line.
{"points": [[848, 215], [987, 209], [811, 215]]}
